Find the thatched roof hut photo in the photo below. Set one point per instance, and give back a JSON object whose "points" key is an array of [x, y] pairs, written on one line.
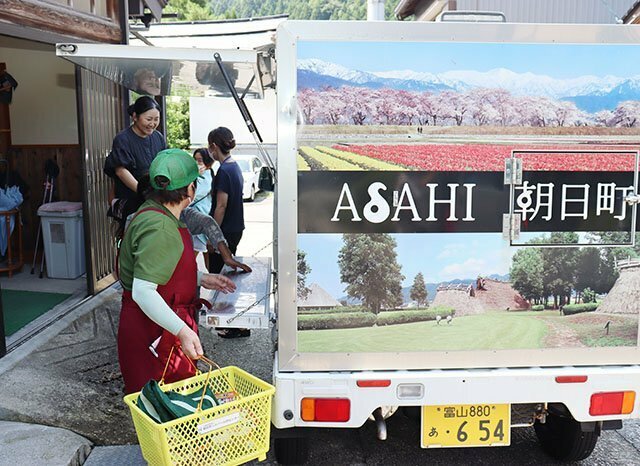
{"points": [[500, 296], [493, 295], [318, 298], [458, 297], [624, 297]]}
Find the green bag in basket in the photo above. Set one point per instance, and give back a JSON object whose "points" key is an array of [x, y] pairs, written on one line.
{"points": [[167, 406]]}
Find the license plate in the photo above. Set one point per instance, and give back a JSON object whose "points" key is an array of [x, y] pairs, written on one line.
{"points": [[480, 425]]}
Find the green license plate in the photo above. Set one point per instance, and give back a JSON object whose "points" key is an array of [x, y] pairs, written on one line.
{"points": [[481, 425]]}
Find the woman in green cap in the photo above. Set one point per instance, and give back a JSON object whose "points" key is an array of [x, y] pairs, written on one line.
{"points": [[158, 272]]}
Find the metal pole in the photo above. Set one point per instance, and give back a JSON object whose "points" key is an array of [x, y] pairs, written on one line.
{"points": [[3, 344], [246, 116], [375, 10]]}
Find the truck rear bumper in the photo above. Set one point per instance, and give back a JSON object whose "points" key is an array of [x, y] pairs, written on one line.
{"points": [[455, 386]]}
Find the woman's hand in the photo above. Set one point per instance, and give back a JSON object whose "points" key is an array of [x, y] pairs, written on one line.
{"points": [[212, 281], [190, 343]]}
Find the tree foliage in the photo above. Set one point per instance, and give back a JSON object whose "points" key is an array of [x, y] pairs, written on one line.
{"points": [[194, 10], [177, 110], [589, 296], [562, 272], [303, 271], [369, 266], [189, 10], [352, 105], [559, 267], [312, 9], [418, 292], [526, 274]]}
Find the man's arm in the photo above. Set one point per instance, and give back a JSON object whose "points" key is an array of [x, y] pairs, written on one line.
{"points": [[199, 223], [202, 224]]}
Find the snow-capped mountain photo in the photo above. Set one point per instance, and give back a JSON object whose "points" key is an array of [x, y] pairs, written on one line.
{"points": [[590, 93], [315, 74]]}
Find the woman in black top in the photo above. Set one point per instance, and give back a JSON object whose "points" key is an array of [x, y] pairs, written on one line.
{"points": [[132, 152]]}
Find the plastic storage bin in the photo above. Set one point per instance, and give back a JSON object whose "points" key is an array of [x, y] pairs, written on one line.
{"points": [[63, 236]]}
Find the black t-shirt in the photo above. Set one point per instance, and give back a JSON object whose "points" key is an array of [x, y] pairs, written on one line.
{"points": [[229, 180], [133, 153]]}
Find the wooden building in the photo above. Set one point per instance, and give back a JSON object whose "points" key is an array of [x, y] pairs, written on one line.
{"points": [[62, 113]]}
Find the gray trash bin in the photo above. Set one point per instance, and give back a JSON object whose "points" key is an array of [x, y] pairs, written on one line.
{"points": [[63, 236]]}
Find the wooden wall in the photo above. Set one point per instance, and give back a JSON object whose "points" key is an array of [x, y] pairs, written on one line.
{"points": [[29, 161], [61, 19]]}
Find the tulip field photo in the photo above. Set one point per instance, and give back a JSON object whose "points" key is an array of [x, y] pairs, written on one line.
{"points": [[461, 157]]}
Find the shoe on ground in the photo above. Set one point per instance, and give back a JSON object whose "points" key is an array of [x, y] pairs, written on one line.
{"points": [[234, 332]]}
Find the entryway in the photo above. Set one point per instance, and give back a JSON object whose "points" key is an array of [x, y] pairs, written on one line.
{"points": [[38, 139], [30, 303]]}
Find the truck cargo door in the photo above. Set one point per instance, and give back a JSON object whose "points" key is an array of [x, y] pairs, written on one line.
{"points": [[572, 198]]}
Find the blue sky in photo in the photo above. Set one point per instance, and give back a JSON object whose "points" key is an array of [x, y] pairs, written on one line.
{"points": [[557, 61], [439, 256]]}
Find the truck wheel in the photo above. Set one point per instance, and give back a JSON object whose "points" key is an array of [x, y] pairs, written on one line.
{"points": [[562, 438], [291, 450]]}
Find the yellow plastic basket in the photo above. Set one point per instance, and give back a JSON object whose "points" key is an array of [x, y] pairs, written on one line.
{"points": [[230, 434]]}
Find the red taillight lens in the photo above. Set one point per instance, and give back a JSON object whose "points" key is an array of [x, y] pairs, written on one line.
{"points": [[612, 403], [571, 379], [325, 409], [373, 383]]}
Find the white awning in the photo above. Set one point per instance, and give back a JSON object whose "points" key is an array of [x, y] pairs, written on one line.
{"points": [[162, 70]]}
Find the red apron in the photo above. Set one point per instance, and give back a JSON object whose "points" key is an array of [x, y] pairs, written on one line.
{"points": [[144, 346]]}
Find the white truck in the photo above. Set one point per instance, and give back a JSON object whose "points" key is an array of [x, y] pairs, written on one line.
{"points": [[454, 226]]}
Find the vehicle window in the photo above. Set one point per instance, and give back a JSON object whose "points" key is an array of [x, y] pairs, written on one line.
{"points": [[244, 165]]}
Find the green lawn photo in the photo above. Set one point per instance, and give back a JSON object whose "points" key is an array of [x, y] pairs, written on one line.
{"points": [[489, 331]]}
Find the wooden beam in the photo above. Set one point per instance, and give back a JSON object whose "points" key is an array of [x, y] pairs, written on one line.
{"points": [[60, 19]]}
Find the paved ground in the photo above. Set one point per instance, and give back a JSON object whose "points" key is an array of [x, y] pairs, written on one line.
{"points": [[68, 377], [74, 383]]}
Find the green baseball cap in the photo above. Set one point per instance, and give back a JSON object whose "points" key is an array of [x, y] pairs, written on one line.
{"points": [[177, 166]]}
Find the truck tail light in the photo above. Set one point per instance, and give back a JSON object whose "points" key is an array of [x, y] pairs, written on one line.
{"points": [[373, 383], [325, 409], [571, 379], [612, 403]]}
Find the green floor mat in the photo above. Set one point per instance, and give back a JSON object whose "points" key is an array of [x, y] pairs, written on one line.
{"points": [[21, 307]]}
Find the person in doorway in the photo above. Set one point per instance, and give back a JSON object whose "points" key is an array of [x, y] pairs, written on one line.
{"points": [[202, 202], [158, 274], [132, 152], [7, 86], [228, 209]]}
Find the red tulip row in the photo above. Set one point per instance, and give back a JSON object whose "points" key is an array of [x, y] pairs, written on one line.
{"points": [[491, 157]]}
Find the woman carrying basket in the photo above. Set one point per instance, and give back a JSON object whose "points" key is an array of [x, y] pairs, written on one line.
{"points": [[159, 275]]}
